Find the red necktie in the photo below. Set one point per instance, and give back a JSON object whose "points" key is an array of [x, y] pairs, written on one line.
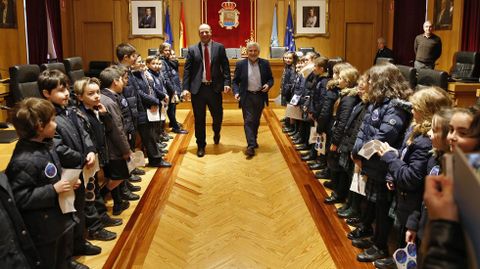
{"points": [[206, 56]]}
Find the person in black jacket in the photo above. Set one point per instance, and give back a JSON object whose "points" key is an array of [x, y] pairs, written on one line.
{"points": [[17, 248], [383, 51], [348, 99], [34, 172], [72, 144], [408, 167]]}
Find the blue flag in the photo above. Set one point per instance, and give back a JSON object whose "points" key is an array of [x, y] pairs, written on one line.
{"points": [[274, 36], [289, 41], [168, 29]]}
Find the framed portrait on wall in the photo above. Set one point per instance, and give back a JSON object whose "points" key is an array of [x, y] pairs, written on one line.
{"points": [[145, 18], [8, 14], [443, 14], [311, 17]]}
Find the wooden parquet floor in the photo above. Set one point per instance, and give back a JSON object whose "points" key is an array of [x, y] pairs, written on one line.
{"points": [[227, 211]]}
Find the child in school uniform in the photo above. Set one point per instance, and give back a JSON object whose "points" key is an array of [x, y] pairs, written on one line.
{"points": [[117, 142], [94, 115], [34, 173], [386, 120], [72, 144], [408, 166]]}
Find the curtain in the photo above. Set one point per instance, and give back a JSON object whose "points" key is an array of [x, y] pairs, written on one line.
{"points": [[53, 7], [37, 31], [471, 26], [408, 23]]}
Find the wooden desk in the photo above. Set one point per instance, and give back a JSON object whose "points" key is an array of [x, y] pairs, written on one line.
{"points": [[277, 71], [463, 94], [4, 92], [6, 151]]}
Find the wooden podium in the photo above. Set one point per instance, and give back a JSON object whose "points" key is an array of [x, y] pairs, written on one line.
{"points": [[463, 94]]}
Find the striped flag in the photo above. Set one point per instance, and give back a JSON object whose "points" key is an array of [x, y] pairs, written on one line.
{"points": [[274, 36], [183, 30], [289, 41], [168, 29]]}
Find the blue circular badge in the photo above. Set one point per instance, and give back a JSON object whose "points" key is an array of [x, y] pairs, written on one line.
{"points": [[50, 170], [375, 115], [124, 102]]}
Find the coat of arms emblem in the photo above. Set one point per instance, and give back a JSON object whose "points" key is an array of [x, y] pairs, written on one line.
{"points": [[229, 15]]}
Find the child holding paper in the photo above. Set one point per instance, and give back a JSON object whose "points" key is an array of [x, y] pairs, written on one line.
{"points": [[34, 173]]}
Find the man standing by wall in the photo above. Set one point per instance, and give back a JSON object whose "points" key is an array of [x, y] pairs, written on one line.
{"points": [[206, 74], [383, 51], [428, 48], [251, 82]]}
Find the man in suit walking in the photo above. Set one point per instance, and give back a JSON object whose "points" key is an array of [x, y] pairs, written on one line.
{"points": [[206, 75], [251, 82]]}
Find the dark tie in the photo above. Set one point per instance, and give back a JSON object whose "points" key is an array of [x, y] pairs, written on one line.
{"points": [[206, 56]]}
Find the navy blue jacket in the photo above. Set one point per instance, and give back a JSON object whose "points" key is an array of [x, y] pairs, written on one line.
{"points": [[288, 83], [408, 174], [349, 98], [240, 79], [386, 122], [145, 98]]}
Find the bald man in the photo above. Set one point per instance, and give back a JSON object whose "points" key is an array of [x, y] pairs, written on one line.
{"points": [[428, 48], [206, 75]]}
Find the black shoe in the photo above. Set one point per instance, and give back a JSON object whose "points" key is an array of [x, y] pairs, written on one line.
{"points": [[287, 130], [362, 243], [164, 138], [180, 131], [216, 139], [323, 174], [372, 254], [301, 147], [250, 152], [102, 235], [343, 208], [118, 208], [132, 187], [162, 145], [353, 221], [200, 152], [308, 157], [298, 141], [314, 166], [292, 133], [129, 196], [349, 213], [138, 171], [108, 221], [161, 163], [360, 233], [87, 249], [386, 263], [135, 178], [76, 265], [163, 151], [333, 199], [256, 146]]}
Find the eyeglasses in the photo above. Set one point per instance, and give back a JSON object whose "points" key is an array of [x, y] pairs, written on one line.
{"points": [[89, 190]]}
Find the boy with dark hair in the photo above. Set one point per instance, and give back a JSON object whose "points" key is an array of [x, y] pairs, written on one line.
{"points": [[72, 144], [117, 143], [34, 173]]}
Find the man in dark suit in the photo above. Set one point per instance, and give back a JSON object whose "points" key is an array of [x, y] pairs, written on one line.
{"points": [[206, 75], [148, 21], [383, 51], [251, 82]]}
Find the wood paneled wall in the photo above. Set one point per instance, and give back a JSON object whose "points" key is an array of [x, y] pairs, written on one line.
{"points": [[451, 39], [107, 22], [12, 46]]}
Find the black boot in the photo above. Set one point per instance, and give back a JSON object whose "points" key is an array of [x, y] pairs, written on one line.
{"points": [[126, 194]]}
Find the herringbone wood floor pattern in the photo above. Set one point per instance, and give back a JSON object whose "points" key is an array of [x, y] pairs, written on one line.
{"points": [[226, 211]]}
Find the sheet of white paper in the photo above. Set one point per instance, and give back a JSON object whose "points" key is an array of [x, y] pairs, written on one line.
{"points": [[90, 172], [372, 147], [66, 199], [293, 112], [358, 184], [136, 159], [153, 116]]}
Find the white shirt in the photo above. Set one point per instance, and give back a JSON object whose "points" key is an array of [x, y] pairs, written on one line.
{"points": [[254, 78]]}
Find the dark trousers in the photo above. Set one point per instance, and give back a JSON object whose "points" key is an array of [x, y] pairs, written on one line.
{"points": [[147, 133], [94, 210], [171, 113], [79, 229], [206, 97], [383, 222], [57, 254], [252, 108]]}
